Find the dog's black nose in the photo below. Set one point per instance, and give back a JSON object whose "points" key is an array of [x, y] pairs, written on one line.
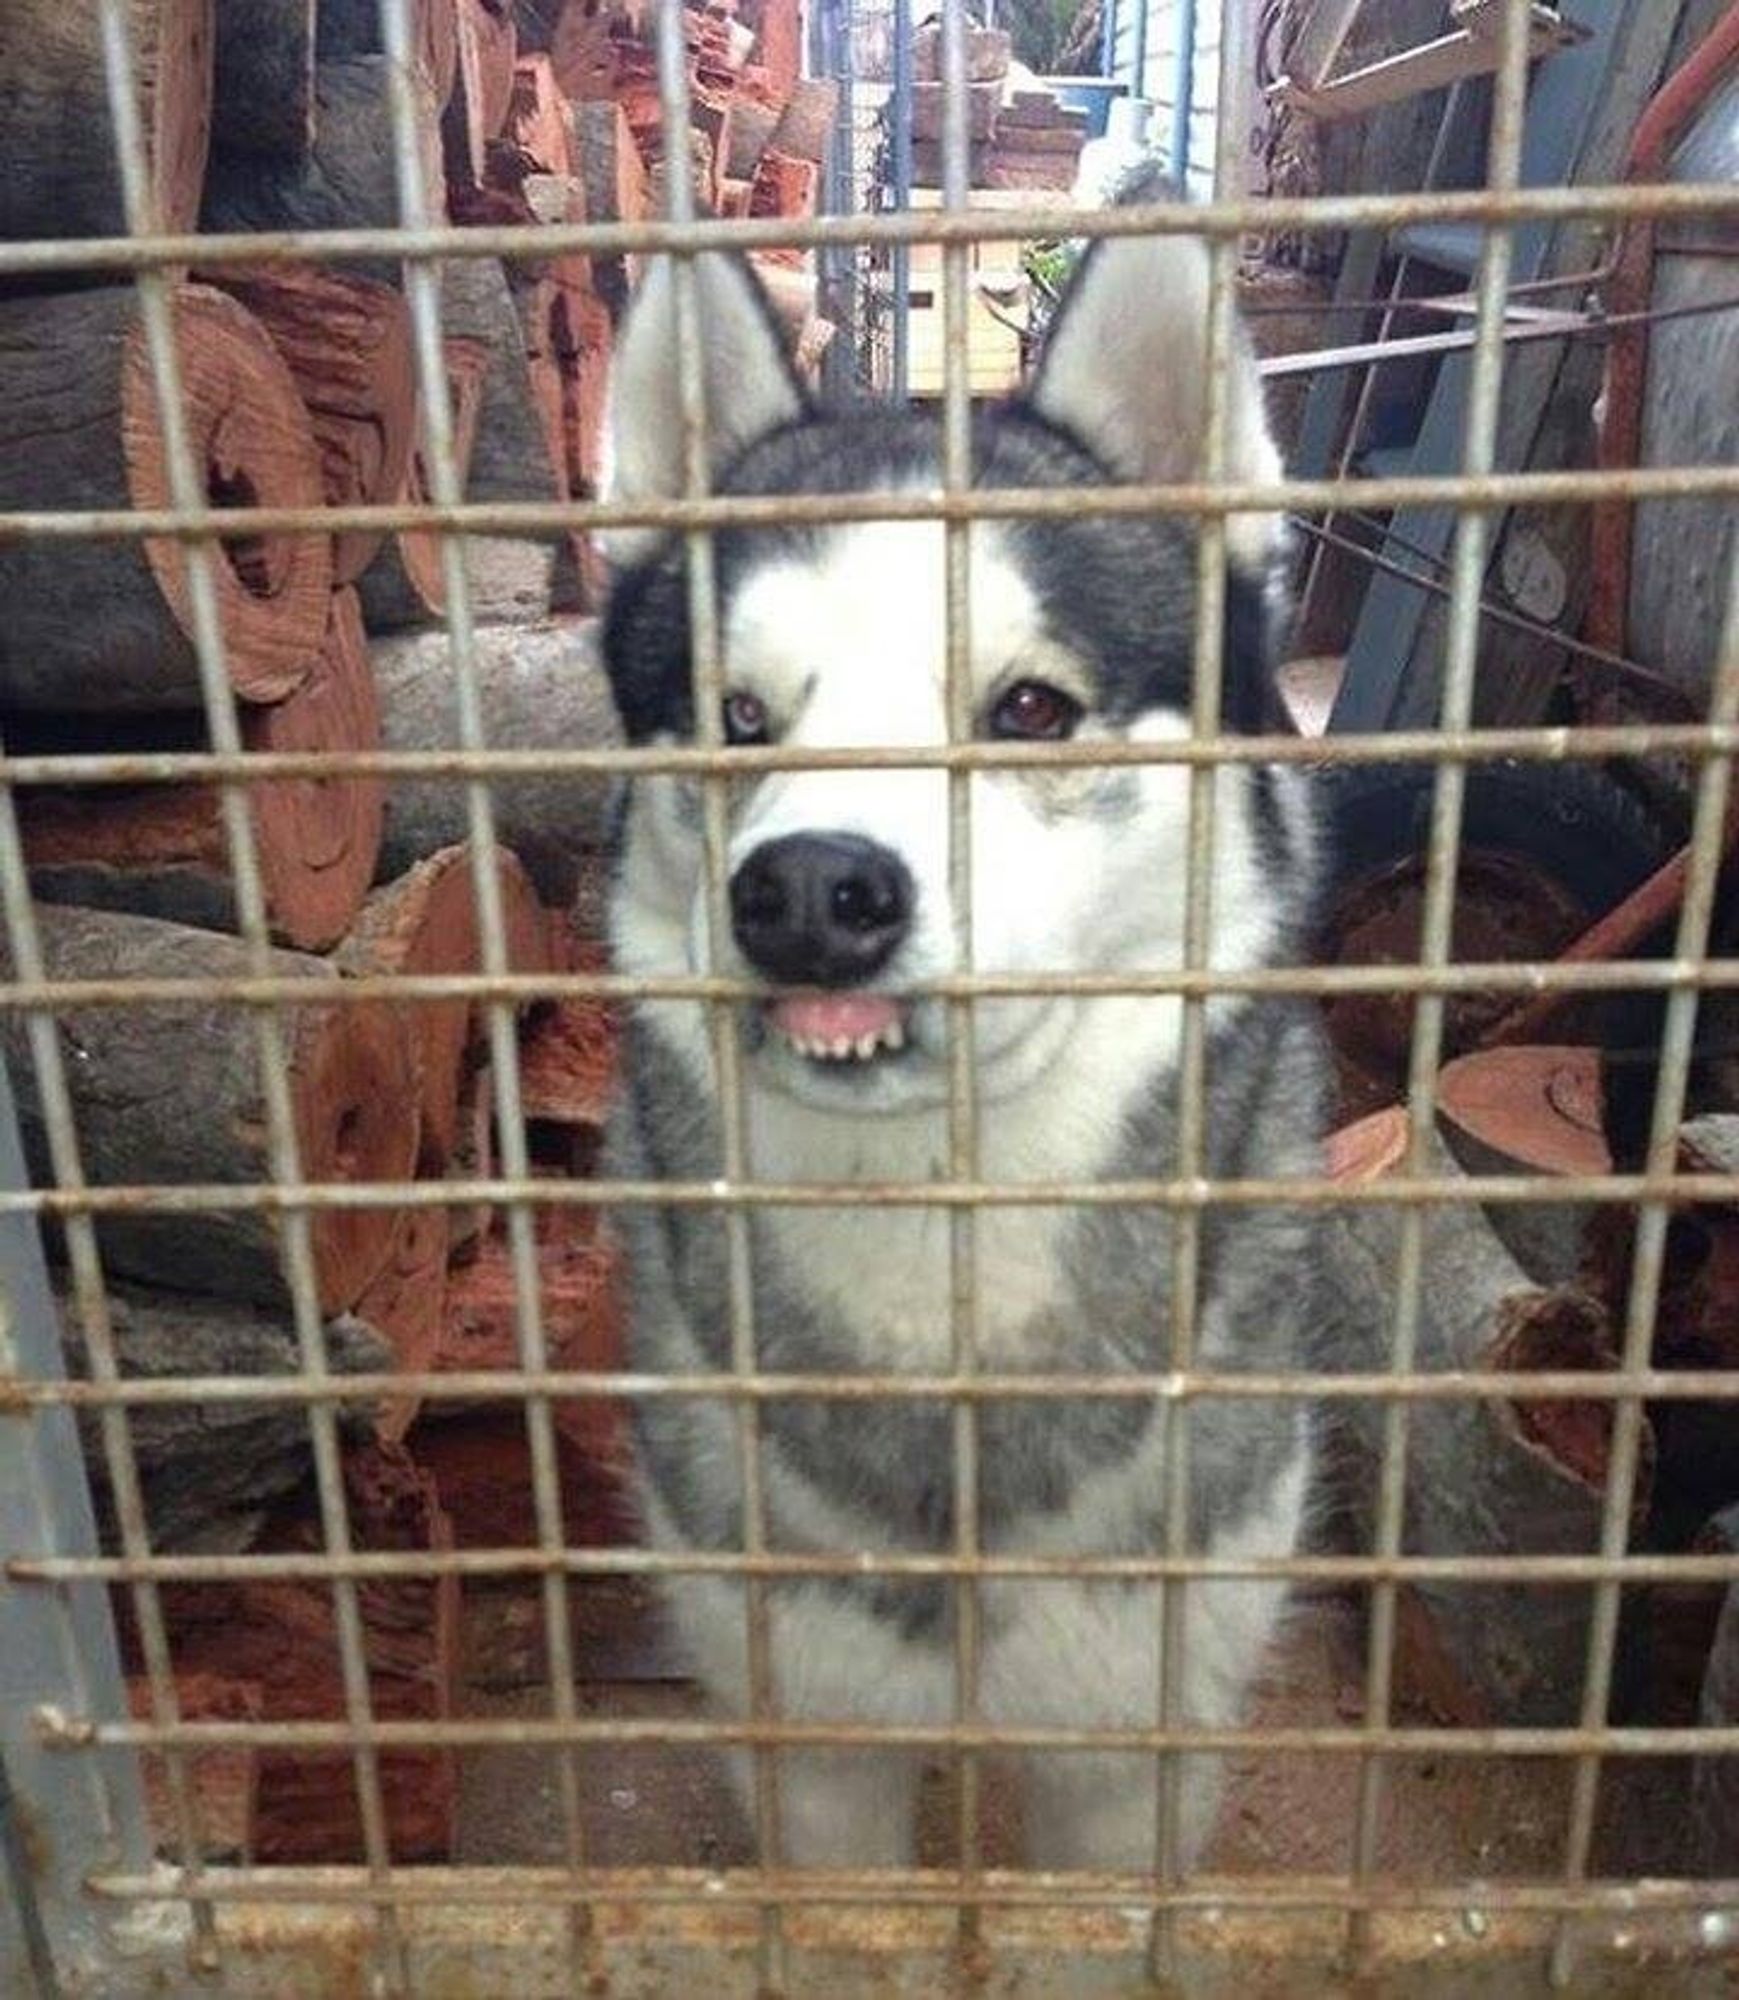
{"points": [[820, 909]]}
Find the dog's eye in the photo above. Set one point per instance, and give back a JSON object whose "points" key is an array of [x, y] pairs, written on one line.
{"points": [[1037, 711], [745, 719]]}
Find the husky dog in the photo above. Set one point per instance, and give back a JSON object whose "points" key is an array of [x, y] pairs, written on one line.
{"points": [[839, 902]]}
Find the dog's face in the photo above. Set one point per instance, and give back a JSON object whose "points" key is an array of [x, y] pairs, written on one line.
{"points": [[842, 881]]}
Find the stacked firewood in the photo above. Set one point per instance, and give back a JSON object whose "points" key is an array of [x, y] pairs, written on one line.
{"points": [[301, 390], [1021, 137]]}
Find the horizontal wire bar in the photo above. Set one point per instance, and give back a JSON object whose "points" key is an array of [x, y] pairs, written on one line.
{"points": [[370, 1565], [59, 1731], [986, 503], [895, 1888], [1208, 219], [1447, 1386], [1394, 1191], [1529, 976], [1559, 743]]}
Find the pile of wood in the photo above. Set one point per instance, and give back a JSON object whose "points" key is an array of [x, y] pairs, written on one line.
{"points": [[302, 390], [1020, 135]]}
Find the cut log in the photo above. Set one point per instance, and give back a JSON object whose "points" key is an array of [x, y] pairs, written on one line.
{"points": [[805, 131], [347, 344], [161, 850], [473, 1159], [102, 625], [752, 129], [579, 1285], [542, 687], [61, 177], [1484, 1476], [584, 53], [988, 54], [264, 105], [210, 1471], [226, 1781], [406, 583], [171, 1094], [427, 922], [1531, 1111], [406, 1303], [348, 180], [614, 178], [352, 28], [567, 1063], [281, 1634], [779, 49], [481, 1465], [928, 104]]}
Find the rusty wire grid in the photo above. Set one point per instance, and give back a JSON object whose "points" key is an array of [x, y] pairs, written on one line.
{"points": [[771, 1910]]}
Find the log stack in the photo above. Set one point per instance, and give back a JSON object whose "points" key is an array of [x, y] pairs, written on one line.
{"points": [[302, 391]]}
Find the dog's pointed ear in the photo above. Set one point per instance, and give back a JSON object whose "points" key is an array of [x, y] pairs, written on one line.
{"points": [[751, 387], [1125, 370]]}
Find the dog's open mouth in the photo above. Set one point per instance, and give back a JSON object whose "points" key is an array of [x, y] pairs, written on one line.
{"points": [[840, 1028]]}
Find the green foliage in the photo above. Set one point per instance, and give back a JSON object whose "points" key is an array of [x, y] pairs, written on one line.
{"points": [[1039, 29]]}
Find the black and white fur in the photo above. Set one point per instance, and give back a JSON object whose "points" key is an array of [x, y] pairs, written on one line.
{"points": [[838, 633]]}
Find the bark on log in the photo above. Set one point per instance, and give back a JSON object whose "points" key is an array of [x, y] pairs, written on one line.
{"points": [[226, 1781], [171, 1094], [1483, 1476], [568, 1063], [352, 28], [61, 177], [161, 850], [347, 344], [614, 178], [281, 1634], [584, 53], [348, 180], [406, 584], [264, 105], [103, 625], [542, 687], [210, 1471], [427, 922], [806, 128]]}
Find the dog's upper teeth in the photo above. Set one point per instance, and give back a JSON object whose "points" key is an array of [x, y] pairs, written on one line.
{"points": [[867, 1046], [894, 1034], [840, 1047]]}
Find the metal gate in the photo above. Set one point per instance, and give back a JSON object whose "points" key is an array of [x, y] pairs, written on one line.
{"points": [[89, 1906]]}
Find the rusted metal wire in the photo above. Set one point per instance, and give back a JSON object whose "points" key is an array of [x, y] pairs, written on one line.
{"points": [[1320, 214], [193, 521]]}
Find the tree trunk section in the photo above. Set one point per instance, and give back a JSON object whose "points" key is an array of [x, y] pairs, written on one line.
{"points": [[161, 850], [209, 1471], [104, 626], [542, 687], [425, 923], [265, 80], [61, 175], [167, 1095], [477, 109], [406, 584], [347, 344], [406, 1304], [1483, 1477], [348, 180]]}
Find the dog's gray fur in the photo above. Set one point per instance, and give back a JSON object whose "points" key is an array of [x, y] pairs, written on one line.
{"points": [[1111, 607]]}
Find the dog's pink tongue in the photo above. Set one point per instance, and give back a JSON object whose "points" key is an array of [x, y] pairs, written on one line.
{"points": [[834, 1017]]}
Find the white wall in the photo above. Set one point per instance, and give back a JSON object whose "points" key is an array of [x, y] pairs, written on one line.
{"points": [[1163, 18]]}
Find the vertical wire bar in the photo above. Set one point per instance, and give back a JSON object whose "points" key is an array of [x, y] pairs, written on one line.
{"points": [[962, 1069], [1461, 658], [115, 1427], [187, 494], [423, 294], [1642, 1304], [1207, 674], [722, 1018]]}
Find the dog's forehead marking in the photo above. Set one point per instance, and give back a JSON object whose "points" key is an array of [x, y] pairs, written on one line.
{"points": [[859, 621]]}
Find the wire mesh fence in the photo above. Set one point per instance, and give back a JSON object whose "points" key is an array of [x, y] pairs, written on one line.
{"points": [[579, 1920]]}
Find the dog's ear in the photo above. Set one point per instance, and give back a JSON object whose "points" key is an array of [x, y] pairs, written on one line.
{"points": [[751, 387], [1125, 370]]}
